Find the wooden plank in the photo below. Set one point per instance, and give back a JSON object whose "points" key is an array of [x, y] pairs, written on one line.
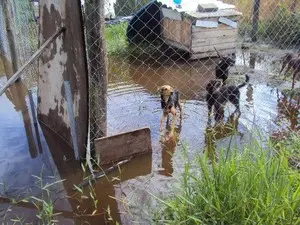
{"points": [[177, 31], [121, 146], [220, 27], [213, 41], [211, 47], [215, 34], [65, 60], [9, 22], [31, 60], [212, 53], [177, 45]]}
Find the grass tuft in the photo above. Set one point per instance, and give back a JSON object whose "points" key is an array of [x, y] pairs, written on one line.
{"points": [[254, 186]]}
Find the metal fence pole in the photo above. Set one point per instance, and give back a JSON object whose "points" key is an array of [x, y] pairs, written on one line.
{"points": [[255, 20], [97, 68]]}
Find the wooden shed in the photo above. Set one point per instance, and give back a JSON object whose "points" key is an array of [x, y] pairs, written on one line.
{"points": [[198, 33]]}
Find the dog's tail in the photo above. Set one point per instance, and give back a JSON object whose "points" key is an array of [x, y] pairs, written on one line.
{"points": [[246, 81], [217, 52]]}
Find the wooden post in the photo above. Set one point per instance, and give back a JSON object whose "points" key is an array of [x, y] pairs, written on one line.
{"points": [[252, 60], [6, 5], [255, 20], [293, 6], [97, 62]]}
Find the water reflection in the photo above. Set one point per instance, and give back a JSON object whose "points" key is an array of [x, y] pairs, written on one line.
{"points": [[168, 146], [189, 78], [219, 131], [249, 95], [289, 110], [16, 94]]}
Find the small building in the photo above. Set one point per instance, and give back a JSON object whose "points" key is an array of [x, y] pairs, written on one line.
{"points": [[191, 30]]}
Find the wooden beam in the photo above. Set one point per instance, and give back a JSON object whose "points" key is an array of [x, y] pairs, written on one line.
{"points": [[31, 60], [7, 8], [98, 71], [122, 146]]}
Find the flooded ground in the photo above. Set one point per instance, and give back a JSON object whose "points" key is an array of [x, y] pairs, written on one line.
{"points": [[28, 149]]}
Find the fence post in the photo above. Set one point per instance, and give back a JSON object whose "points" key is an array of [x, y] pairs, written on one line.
{"points": [[6, 5], [293, 6], [255, 20], [97, 63]]}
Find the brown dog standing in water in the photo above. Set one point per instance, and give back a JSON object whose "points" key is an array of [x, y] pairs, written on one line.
{"points": [[292, 60], [170, 100]]}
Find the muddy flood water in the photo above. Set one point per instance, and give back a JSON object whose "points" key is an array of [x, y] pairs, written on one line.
{"points": [[32, 157]]}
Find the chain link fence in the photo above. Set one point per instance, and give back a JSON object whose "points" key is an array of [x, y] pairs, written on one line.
{"points": [[25, 28], [138, 45], [149, 44]]}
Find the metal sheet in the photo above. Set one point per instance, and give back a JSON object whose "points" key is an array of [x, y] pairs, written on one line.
{"points": [[64, 60]]}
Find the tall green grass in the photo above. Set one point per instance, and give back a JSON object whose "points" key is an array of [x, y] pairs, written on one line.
{"points": [[116, 40], [117, 44], [282, 29], [254, 186]]}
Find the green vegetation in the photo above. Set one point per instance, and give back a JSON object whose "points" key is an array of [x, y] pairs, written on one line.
{"points": [[116, 41], [280, 27], [283, 29], [255, 186], [117, 44]]}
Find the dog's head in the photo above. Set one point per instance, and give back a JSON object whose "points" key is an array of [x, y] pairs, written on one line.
{"points": [[229, 60], [213, 85], [165, 91]]}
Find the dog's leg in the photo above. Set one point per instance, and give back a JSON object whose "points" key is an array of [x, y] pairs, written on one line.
{"points": [[219, 112], [180, 109], [283, 66], [237, 109], [209, 110], [168, 120], [287, 70], [174, 113], [163, 117], [294, 78]]}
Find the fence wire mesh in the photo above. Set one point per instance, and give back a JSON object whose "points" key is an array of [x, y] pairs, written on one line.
{"points": [[147, 46], [25, 29], [145, 49]]}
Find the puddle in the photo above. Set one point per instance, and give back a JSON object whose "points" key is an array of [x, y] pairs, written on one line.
{"points": [[133, 102]]}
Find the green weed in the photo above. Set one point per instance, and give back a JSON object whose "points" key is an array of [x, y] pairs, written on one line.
{"points": [[116, 40], [253, 186]]}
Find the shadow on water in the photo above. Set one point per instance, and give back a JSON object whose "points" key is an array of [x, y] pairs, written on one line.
{"points": [[27, 148]]}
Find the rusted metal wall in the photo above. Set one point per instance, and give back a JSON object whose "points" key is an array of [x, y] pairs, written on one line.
{"points": [[64, 60]]}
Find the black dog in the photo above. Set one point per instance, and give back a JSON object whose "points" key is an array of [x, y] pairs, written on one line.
{"points": [[222, 68], [218, 95]]}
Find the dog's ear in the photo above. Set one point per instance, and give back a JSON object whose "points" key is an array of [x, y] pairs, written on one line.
{"points": [[158, 91], [208, 86], [171, 89]]}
